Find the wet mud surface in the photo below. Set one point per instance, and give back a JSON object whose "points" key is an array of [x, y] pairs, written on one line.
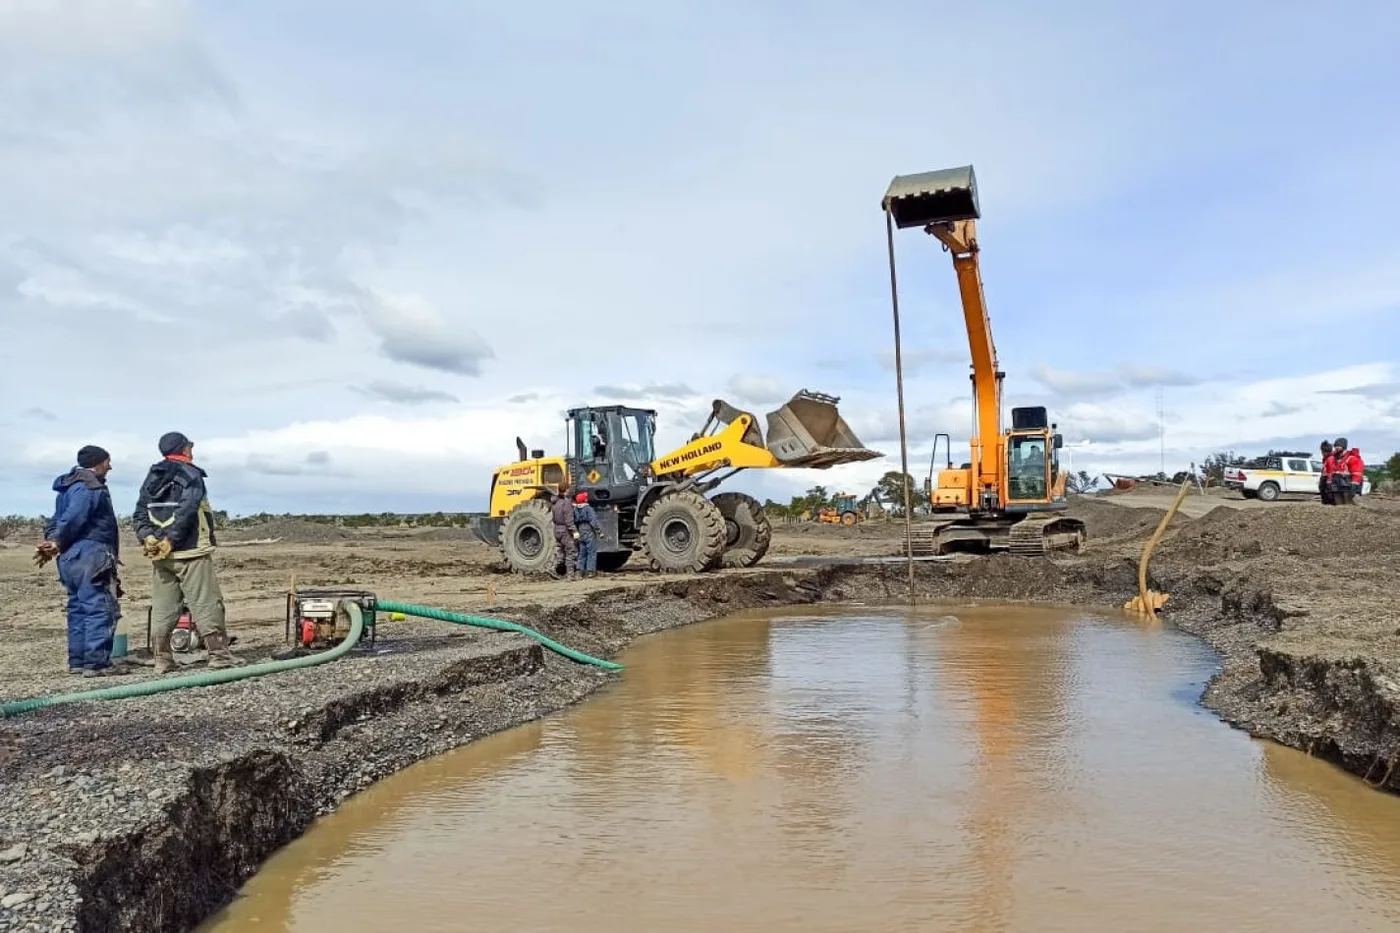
{"points": [[147, 814]]}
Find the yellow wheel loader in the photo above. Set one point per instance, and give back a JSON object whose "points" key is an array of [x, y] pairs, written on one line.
{"points": [[1011, 494], [660, 506]]}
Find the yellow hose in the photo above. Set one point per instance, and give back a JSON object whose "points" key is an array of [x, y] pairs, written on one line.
{"points": [[1144, 602]]}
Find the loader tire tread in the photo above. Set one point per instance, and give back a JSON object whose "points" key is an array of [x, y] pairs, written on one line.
{"points": [[706, 533], [525, 521], [748, 531]]}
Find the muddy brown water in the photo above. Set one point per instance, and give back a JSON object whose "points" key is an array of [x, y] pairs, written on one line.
{"points": [[946, 768]]}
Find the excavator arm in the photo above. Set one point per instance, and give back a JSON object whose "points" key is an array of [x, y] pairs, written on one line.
{"points": [[945, 204]]}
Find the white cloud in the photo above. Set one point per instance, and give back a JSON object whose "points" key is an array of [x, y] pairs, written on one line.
{"points": [[1105, 383], [233, 222], [757, 390]]}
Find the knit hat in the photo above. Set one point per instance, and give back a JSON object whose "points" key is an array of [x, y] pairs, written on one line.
{"points": [[173, 443], [581, 498], [91, 455]]}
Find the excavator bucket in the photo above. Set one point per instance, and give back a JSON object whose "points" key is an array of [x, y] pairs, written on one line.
{"points": [[932, 197], [809, 432]]}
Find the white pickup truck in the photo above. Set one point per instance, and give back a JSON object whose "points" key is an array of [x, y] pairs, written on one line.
{"points": [[1278, 476]]}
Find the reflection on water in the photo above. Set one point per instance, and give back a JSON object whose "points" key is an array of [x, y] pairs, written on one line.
{"points": [[955, 769]]}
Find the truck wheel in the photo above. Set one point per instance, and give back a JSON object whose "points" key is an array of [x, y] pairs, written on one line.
{"points": [[612, 561], [1268, 491], [527, 538], [747, 530], [848, 518], [683, 533]]}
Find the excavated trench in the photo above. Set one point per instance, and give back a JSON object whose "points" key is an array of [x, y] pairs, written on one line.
{"points": [[228, 808]]}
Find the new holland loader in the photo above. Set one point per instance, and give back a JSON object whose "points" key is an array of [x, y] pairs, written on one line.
{"points": [[660, 506]]}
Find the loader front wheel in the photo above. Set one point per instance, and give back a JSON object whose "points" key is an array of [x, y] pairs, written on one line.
{"points": [[527, 539], [747, 530], [683, 533]]}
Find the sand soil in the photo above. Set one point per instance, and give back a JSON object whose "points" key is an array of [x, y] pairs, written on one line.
{"points": [[146, 814]]}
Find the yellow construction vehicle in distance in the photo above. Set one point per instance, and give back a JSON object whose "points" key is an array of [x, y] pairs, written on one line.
{"points": [[659, 505], [843, 510], [1011, 493]]}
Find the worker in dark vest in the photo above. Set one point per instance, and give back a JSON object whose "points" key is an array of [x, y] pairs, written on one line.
{"points": [[175, 524], [565, 530]]}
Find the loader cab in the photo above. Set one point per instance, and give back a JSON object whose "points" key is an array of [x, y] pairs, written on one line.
{"points": [[608, 450]]}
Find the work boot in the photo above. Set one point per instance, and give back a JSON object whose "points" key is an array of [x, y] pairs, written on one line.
{"points": [[165, 657], [220, 657]]}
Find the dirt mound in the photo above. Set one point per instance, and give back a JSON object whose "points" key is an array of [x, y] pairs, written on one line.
{"points": [[1104, 520], [1305, 530], [290, 531]]}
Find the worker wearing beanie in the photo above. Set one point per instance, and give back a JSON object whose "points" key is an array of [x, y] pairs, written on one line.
{"points": [[175, 525], [82, 534]]}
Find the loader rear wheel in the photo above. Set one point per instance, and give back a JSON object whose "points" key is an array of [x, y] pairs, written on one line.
{"points": [[747, 531], [683, 533], [527, 539]]}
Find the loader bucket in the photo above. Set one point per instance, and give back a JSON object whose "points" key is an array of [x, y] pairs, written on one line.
{"points": [[809, 432], [932, 197]]}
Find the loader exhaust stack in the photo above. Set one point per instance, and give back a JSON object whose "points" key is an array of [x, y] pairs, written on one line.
{"points": [[944, 196], [809, 432]]}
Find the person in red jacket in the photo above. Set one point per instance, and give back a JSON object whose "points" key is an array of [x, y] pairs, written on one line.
{"points": [[1348, 472], [1354, 465], [1324, 485]]}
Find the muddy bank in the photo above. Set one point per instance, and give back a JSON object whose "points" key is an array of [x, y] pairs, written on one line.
{"points": [[148, 814]]}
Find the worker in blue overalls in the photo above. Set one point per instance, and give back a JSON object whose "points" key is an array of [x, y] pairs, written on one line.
{"points": [[589, 531]]}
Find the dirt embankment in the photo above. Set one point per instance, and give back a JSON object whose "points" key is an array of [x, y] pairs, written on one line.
{"points": [[147, 814]]}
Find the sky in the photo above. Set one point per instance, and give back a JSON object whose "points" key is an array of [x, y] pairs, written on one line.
{"points": [[354, 249]]}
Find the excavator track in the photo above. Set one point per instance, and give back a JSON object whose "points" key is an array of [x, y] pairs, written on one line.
{"points": [[1037, 535]]}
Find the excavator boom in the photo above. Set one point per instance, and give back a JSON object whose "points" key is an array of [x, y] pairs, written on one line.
{"points": [[1011, 491], [945, 204]]}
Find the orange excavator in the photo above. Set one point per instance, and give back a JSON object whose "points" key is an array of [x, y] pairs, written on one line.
{"points": [[1010, 495]]}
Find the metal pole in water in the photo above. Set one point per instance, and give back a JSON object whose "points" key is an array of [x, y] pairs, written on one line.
{"points": [[899, 385]]}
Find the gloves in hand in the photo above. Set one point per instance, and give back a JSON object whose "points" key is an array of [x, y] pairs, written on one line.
{"points": [[45, 552], [156, 548]]}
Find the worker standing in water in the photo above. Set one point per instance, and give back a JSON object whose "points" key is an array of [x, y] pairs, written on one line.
{"points": [[589, 531], [175, 525], [83, 535], [566, 530]]}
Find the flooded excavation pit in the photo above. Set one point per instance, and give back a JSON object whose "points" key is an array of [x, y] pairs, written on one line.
{"points": [[946, 768]]}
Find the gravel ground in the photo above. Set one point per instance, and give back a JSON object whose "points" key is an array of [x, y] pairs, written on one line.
{"points": [[147, 814]]}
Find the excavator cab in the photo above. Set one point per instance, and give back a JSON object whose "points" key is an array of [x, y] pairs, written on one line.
{"points": [[1032, 459]]}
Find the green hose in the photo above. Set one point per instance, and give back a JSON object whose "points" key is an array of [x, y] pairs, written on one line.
{"points": [[457, 618], [203, 679]]}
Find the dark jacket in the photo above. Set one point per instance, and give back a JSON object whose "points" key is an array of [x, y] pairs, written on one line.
{"points": [[174, 504], [586, 518], [82, 511], [563, 511]]}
